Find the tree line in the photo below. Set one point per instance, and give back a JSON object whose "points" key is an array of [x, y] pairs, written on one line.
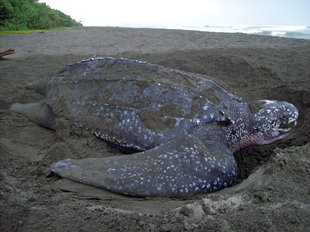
{"points": [[30, 14]]}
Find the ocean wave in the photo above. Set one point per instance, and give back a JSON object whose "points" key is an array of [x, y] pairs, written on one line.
{"points": [[287, 31]]}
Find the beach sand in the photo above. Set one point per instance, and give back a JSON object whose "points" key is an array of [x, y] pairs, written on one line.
{"points": [[272, 192]]}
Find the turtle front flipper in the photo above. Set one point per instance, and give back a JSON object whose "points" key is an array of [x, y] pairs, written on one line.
{"points": [[182, 167]]}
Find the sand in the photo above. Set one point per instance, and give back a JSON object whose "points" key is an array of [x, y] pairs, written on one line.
{"points": [[272, 192]]}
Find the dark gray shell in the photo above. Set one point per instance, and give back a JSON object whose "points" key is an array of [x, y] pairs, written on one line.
{"points": [[136, 104]]}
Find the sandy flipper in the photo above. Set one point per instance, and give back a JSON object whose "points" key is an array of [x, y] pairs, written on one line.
{"points": [[272, 190], [7, 52]]}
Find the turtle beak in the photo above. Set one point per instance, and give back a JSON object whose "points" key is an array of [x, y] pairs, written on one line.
{"points": [[293, 120]]}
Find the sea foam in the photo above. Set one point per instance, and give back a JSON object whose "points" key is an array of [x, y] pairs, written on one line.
{"points": [[288, 31]]}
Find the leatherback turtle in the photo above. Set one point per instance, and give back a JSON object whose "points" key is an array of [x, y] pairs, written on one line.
{"points": [[183, 126]]}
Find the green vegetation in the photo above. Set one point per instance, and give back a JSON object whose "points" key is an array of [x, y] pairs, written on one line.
{"points": [[30, 14], [32, 31]]}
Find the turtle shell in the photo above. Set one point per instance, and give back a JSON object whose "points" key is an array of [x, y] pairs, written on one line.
{"points": [[135, 104]]}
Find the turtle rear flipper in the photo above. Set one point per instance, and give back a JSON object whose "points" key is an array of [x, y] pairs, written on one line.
{"points": [[39, 112], [182, 167]]}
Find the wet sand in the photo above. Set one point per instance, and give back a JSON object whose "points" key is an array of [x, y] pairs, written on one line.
{"points": [[272, 192]]}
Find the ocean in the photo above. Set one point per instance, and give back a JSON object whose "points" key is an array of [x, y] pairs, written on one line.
{"points": [[298, 32]]}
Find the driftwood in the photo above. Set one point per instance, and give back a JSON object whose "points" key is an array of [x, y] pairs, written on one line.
{"points": [[7, 52]]}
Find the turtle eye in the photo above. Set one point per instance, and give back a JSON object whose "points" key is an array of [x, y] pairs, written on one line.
{"points": [[283, 119]]}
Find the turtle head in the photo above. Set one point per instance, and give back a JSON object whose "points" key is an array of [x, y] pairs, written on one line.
{"points": [[273, 120]]}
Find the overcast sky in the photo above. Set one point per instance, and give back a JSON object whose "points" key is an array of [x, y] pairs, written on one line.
{"points": [[165, 13]]}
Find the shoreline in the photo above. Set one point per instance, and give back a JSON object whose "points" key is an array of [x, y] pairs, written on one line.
{"points": [[116, 40], [231, 29]]}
